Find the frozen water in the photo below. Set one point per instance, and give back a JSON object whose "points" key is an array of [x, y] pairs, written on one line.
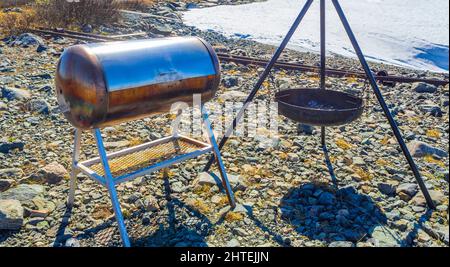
{"points": [[412, 33]]}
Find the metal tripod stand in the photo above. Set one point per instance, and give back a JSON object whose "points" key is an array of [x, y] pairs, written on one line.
{"points": [[368, 72]]}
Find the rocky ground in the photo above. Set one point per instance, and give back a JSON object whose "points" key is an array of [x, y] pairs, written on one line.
{"points": [[291, 193]]}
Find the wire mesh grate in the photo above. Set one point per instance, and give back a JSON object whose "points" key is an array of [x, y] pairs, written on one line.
{"points": [[147, 156]]}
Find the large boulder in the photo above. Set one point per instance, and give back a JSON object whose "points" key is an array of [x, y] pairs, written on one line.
{"points": [[23, 192], [384, 237], [27, 40], [421, 87], [52, 173], [422, 149], [11, 214]]}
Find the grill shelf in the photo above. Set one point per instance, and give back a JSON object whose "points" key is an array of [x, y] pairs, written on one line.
{"points": [[131, 162]]}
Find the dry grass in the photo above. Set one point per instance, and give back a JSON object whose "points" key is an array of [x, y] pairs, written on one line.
{"points": [[434, 134], [234, 216], [14, 3], [430, 159], [365, 175], [200, 206], [383, 162], [203, 190], [135, 4], [341, 143], [16, 22], [61, 13]]}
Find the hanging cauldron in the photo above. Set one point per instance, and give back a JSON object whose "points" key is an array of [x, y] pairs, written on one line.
{"points": [[319, 107], [104, 84]]}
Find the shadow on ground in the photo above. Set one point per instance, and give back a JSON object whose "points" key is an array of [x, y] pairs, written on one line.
{"points": [[186, 228], [323, 213]]}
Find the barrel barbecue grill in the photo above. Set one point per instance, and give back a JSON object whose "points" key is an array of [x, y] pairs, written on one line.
{"points": [[99, 85]]}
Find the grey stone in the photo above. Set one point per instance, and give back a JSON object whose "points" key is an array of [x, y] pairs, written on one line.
{"points": [[421, 87], [6, 80], [305, 129], [5, 184], [437, 196], [230, 81], [191, 5], [41, 48], [408, 188], [384, 237], [386, 188], [162, 30], [11, 172], [359, 161], [26, 40], [15, 94], [151, 203], [205, 178], [39, 106], [234, 96], [177, 187], [52, 173], [233, 243], [326, 216], [87, 28], [326, 198], [393, 215], [23, 192], [433, 110], [422, 149], [11, 214], [341, 244], [240, 208], [6, 146], [72, 242], [293, 157]]}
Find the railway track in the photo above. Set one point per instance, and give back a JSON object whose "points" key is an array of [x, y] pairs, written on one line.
{"points": [[382, 76]]}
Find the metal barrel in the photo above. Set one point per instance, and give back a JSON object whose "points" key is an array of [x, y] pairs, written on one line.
{"points": [[104, 84]]}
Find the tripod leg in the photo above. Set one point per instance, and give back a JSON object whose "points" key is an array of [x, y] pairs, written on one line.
{"points": [[261, 80], [385, 108], [111, 188], [74, 172], [322, 58]]}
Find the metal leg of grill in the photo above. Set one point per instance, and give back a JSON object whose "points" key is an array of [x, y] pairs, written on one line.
{"points": [[223, 173], [111, 188], [75, 171], [383, 105]]}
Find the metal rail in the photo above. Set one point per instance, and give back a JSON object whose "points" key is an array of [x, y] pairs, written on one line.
{"points": [[329, 71], [247, 60]]}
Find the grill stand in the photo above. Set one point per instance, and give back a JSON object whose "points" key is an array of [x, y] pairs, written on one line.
{"points": [[369, 74], [109, 180]]}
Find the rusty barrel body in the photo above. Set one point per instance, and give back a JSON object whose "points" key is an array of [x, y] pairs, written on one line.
{"points": [[100, 85]]}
